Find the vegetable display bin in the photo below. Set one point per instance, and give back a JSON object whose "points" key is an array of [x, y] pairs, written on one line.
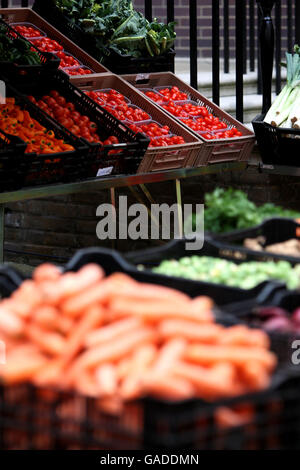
{"points": [[20, 15], [156, 158], [275, 230], [122, 158], [55, 167], [222, 294], [115, 62], [37, 418], [221, 150], [15, 72], [12, 167], [277, 146]]}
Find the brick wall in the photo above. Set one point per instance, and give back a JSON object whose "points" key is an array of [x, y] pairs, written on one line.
{"points": [[204, 24]]}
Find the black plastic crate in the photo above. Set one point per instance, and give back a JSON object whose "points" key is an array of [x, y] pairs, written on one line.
{"points": [[18, 72], [277, 146], [33, 418], [116, 63], [223, 295], [123, 158], [123, 65], [12, 168], [57, 167], [275, 230]]}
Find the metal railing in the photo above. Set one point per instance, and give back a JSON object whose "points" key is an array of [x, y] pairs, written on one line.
{"points": [[252, 26]]}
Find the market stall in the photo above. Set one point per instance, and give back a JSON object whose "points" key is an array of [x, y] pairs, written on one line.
{"points": [[162, 348]]}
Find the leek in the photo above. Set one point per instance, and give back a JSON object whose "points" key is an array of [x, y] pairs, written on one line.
{"points": [[285, 111]]}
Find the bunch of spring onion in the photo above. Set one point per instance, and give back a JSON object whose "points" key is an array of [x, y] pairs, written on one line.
{"points": [[285, 111]]}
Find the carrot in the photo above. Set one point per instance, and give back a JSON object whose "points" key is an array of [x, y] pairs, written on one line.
{"points": [[255, 375], [112, 331], [237, 355], [64, 324], [131, 386], [227, 418], [142, 291], [106, 379], [46, 317], [27, 297], [240, 335], [168, 387], [211, 383], [113, 351], [155, 311], [168, 355], [99, 292], [10, 324], [86, 384], [192, 331], [20, 370], [51, 343], [21, 350], [92, 319], [46, 272]]}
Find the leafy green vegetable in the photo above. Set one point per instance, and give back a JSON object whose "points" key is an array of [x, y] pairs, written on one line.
{"points": [[221, 271], [117, 27], [16, 50], [230, 209]]}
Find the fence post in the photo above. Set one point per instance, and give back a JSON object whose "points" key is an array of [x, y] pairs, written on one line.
{"points": [[266, 51]]}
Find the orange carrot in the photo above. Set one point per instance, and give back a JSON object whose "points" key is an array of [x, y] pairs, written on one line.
{"points": [[168, 355], [46, 272], [112, 331], [20, 370], [106, 379], [27, 297], [115, 350], [131, 386], [228, 418], [192, 331], [237, 355], [168, 388], [86, 384], [10, 324], [240, 335], [51, 343], [255, 375], [155, 311], [46, 317]]}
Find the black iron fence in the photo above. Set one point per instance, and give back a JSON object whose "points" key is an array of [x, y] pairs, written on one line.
{"points": [[237, 28]]}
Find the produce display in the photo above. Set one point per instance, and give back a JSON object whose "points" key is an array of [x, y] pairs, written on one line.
{"points": [[284, 112], [196, 117], [68, 63], [16, 121], [16, 50], [117, 26], [65, 113], [230, 209], [118, 340], [136, 118], [289, 248], [221, 271]]}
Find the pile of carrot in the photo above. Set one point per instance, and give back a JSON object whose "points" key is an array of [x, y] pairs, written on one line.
{"points": [[117, 340]]}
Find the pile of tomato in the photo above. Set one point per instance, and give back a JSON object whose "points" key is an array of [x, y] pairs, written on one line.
{"points": [[173, 94], [155, 97], [211, 127], [160, 135], [111, 97], [27, 31], [65, 113], [66, 60], [79, 71], [47, 45]]}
